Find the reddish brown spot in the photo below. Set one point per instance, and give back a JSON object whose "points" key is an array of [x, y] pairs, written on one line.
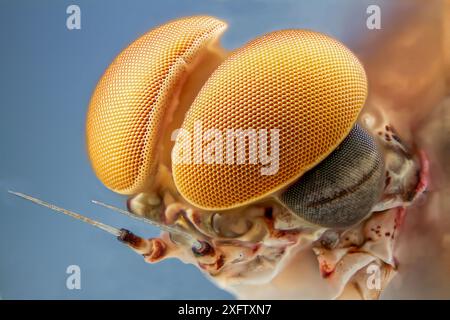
{"points": [[220, 262], [130, 238], [158, 250], [325, 269], [353, 250], [256, 248], [279, 233], [387, 234], [424, 173], [211, 267], [283, 233], [387, 181], [400, 216], [196, 219]]}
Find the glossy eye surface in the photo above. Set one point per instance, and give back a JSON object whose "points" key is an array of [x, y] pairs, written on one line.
{"points": [[130, 106], [343, 188], [304, 84]]}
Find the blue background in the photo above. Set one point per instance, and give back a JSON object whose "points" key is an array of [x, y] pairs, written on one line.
{"points": [[47, 74]]}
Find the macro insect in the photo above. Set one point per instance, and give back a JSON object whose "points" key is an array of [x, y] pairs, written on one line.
{"points": [[340, 181]]}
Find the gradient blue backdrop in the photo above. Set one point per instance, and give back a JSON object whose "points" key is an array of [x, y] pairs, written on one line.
{"points": [[47, 74]]}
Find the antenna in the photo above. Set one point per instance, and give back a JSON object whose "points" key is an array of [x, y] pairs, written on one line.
{"points": [[114, 231], [147, 220]]}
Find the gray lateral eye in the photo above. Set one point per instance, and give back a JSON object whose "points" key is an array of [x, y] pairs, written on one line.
{"points": [[341, 190]]}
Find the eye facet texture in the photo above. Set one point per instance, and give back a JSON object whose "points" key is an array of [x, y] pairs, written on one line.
{"points": [[341, 190], [127, 109], [305, 84]]}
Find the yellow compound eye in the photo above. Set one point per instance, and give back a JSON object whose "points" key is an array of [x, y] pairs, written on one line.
{"points": [[135, 99], [305, 84]]}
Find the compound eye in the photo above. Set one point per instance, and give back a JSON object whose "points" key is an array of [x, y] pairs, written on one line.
{"points": [[341, 190], [304, 85], [135, 100]]}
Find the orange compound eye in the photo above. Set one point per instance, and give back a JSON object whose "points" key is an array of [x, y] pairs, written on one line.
{"points": [[136, 97], [304, 85]]}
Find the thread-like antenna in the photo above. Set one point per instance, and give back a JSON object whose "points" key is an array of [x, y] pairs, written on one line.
{"points": [[114, 231], [147, 220]]}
